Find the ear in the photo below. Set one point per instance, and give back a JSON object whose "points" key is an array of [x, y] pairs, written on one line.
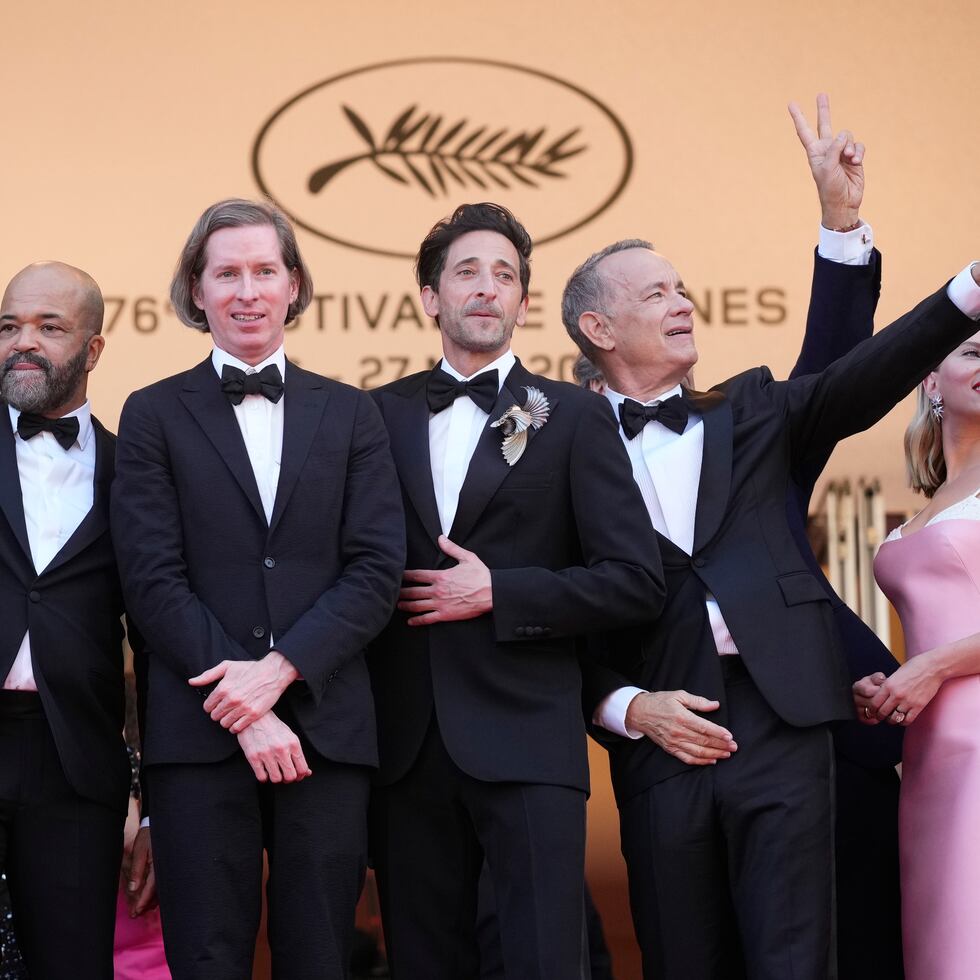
{"points": [[430, 302], [293, 285], [95, 346], [930, 385], [596, 327], [196, 293], [522, 312]]}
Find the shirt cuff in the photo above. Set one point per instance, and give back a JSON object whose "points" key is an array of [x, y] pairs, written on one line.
{"points": [[611, 712], [145, 822], [964, 293], [847, 247]]}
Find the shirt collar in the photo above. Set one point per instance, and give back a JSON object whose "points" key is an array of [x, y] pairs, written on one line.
{"points": [[616, 399], [83, 413], [219, 358], [502, 365]]}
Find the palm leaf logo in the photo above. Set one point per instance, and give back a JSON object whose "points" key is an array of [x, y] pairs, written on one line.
{"points": [[421, 149]]}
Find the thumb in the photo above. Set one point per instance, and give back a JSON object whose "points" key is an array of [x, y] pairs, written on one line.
{"points": [[452, 549], [697, 703], [209, 676]]}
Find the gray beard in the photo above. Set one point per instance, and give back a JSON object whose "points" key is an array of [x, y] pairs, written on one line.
{"points": [[41, 394]]}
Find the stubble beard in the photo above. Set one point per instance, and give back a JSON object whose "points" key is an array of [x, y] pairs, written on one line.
{"points": [[40, 391]]}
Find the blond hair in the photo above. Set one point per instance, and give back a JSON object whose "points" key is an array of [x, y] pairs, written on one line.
{"points": [[924, 460]]}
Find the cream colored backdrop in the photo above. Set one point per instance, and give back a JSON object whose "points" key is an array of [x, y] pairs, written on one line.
{"points": [[121, 122]]}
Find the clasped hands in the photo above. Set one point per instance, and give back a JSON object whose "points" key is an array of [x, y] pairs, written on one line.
{"points": [[900, 698], [242, 702]]}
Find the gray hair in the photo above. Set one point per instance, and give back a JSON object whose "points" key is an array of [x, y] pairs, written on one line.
{"points": [[234, 213], [586, 292]]}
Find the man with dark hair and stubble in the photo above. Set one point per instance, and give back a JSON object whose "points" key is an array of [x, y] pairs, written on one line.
{"points": [[64, 777], [524, 531], [261, 540]]}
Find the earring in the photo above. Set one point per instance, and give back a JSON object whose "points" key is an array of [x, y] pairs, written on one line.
{"points": [[937, 408]]}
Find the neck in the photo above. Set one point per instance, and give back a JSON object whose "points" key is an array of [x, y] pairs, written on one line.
{"points": [[636, 384], [961, 446], [66, 408], [468, 363]]}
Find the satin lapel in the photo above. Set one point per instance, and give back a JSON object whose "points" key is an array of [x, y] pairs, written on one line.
{"points": [[407, 420], [96, 522], [716, 463], [204, 399], [488, 468], [11, 499], [305, 402]]}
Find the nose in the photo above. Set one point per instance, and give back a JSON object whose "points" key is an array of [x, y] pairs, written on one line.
{"points": [[247, 287], [683, 305], [25, 340], [485, 284]]}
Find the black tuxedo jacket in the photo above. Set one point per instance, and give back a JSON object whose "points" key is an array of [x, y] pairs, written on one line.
{"points": [[73, 611], [842, 307], [756, 432], [570, 549], [208, 579]]}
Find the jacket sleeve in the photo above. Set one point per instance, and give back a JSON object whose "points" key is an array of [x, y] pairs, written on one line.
{"points": [[349, 614], [620, 580]]}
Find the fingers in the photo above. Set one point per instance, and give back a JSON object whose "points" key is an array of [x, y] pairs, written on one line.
{"points": [[426, 575], [416, 593], [824, 129], [697, 703], [427, 619], [803, 130], [209, 676], [453, 550]]}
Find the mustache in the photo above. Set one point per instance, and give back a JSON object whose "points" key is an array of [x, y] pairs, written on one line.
{"points": [[483, 308], [26, 358]]}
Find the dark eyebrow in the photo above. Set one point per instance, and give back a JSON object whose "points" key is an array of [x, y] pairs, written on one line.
{"points": [[474, 258]]}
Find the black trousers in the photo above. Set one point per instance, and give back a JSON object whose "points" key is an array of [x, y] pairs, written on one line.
{"points": [[210, 823], [731, 865], [430, 832], [61, 853]]}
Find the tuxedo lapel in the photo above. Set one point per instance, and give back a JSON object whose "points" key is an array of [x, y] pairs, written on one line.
{"points": [[305, 402], [716, 463], [408, 429], [204, 399], [11, 499], [488, 468], [96, 522]]}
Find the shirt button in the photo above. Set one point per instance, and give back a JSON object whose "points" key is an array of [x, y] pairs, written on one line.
{"points": [[520, 630], [34, 595], [269, 562], [258, 632]]}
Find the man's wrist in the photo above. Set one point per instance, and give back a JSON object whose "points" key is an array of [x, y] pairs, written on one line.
{"points": [[284, 670]]}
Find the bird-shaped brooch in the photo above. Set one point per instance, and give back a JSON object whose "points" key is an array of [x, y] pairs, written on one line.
{"points": [[515, 422]]}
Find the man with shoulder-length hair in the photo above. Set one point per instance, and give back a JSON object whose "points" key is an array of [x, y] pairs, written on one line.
{"points": [[260, 538], [524, 531]]}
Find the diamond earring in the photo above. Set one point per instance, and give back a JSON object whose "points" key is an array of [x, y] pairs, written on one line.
{"points": [[936, 402]]}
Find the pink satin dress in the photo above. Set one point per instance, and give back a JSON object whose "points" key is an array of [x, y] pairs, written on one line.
{"points": [[932, 577]]}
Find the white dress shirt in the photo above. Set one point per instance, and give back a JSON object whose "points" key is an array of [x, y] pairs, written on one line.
{"points": [[57, 487], [261, 423], [672, 503], [453, 435]]}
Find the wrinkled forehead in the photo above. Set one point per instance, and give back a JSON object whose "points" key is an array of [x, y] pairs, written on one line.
{"points": [[485, 247], [634, 270], [42, 292]]}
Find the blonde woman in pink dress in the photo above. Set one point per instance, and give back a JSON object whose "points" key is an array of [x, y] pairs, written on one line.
{"points": [[930, 570]]}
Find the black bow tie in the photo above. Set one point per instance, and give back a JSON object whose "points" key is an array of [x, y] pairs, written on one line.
{"points": [[64, 430], [442, 389], [236, 383], [672, 413]]}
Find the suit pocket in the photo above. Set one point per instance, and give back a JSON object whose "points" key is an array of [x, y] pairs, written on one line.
{"points": [[800, 587], [526, 481]]}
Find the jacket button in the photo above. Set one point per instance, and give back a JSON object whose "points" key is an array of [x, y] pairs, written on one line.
{"points": [[258, 632], [269, 562], [546, 630], [520, 630], [535, 631], [34, 595], [698, 563]]}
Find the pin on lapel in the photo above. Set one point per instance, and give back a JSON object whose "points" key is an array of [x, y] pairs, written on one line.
{"points": [[515, 422]]}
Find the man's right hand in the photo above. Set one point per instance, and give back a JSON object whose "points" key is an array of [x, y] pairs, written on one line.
{"points": [[667, 718], [273, 751]]}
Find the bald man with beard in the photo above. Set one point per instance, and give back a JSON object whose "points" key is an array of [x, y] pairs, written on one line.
{"points": [[64, 779]]}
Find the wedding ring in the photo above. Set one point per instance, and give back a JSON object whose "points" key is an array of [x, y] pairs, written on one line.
{"points": [[867, 712], [899, 715]]}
